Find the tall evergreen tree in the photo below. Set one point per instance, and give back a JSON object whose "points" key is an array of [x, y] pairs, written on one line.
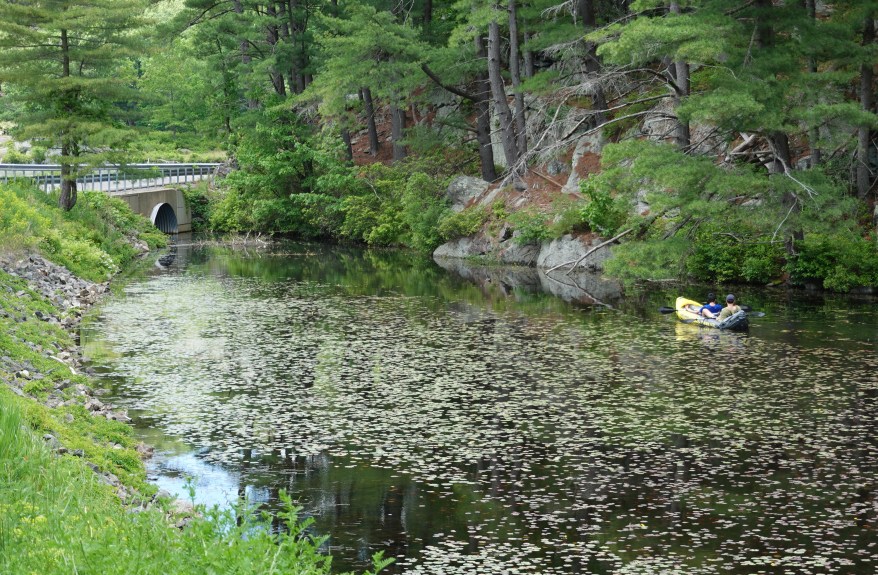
{"points": [[67, 60]]}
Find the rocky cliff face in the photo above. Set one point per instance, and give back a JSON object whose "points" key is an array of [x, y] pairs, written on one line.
{"points": [[540, 185]]}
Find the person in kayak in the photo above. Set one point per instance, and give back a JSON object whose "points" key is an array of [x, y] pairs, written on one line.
{"points": [[730, 309], [711, 308]]}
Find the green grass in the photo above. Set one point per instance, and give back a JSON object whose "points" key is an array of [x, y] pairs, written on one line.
{"points": [[91, 240], [57, 518]]}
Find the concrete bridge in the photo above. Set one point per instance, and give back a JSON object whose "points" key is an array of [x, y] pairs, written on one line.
{"points": [[152, 190]]}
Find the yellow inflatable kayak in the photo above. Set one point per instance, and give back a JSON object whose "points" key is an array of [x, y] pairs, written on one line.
{"points": [[687, 311]]}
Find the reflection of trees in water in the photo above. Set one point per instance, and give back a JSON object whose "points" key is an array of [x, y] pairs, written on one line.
{"points": [[575, 433]]}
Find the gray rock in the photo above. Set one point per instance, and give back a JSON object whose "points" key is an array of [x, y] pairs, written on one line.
{"points": [[569, 249], [556, 168], [510, 252], [463, 190], [51, 441], [590, 144], [463, 248], [94, 405]]}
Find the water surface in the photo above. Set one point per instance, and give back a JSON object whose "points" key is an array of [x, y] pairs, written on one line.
{"points": [[489, 427]]}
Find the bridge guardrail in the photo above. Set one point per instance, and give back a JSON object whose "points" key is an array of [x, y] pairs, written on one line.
{"points": [[112, 178]]}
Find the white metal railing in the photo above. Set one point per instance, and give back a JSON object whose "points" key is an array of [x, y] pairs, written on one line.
{"points": [[111, 178]]}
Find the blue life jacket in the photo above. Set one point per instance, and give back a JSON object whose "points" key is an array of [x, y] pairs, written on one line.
{"points": [[713, 308]]}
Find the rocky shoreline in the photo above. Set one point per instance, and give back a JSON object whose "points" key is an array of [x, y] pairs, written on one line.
{"points": [[71, 297]]}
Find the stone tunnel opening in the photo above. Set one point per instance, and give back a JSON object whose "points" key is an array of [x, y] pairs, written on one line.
{"points": [[164, 218]]}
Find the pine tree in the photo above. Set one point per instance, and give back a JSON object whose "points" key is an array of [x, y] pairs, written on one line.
{"points": [[67, 61]]}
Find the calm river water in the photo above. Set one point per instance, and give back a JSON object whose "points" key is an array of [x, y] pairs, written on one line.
{"points": [[486, 428]]}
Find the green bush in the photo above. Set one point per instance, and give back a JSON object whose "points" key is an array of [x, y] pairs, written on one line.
{"points": [[423, 207], [531, 225], [13, 156], [603, 214], [730, 256], [91, 240], [200, 205], [461, 224], [838, 263]]}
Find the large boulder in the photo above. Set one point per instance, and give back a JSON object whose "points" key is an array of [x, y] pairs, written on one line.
{"points": [[466, 247], [463, 190], [569, 249], [586, 160], [512, 252]]}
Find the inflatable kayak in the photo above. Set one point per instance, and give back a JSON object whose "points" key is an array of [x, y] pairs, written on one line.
{"points": [[687, 310]]}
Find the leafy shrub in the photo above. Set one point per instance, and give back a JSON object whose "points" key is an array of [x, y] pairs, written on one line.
{"points": [[289, 178], [423, 206], [568, 217], [531, 226], [602, 212], [838, 263], [461, 224], [199, 203], [91, 240], [652, 260], [728, 256], [13, 156]]}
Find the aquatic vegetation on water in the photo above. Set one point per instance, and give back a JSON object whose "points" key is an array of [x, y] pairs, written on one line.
{"points": [[556, 443]]}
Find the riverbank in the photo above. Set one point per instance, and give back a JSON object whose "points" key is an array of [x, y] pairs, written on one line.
{"points": [[73, 489]]}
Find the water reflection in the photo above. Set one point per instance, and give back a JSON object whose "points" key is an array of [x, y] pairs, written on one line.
{"points": [[490, 428]]}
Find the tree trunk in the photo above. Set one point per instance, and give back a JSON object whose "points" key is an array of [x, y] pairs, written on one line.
{"points": [[515, 74], [483, 117], [68, 183], [369, 107], [428, 12], [498, 91], [348, 146], [528, 58], [397, 132], [864, 134], [681, 79], [272, 36], [586, 11], [813, 133], [245, 53]]}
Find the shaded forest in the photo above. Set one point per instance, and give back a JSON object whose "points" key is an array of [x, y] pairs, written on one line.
{"points": [[735, 140]]}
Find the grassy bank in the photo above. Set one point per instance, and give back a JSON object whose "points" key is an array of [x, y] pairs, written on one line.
{"points": [[73, 492], [57, 517]]}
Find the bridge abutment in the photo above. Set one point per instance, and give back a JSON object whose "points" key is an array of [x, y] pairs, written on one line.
{"points": [[166, 208]]}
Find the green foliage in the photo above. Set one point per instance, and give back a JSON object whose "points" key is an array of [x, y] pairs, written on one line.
{"points": [[54, 513], [424, 205], [91, 240], [602, 212], [648, 260], [837, 262], [13, 156], [531, 226], [290, 181], [200, 206], [723, 255], [461, 224], [398, 205]]}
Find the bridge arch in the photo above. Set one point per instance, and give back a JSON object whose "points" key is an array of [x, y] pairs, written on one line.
{"points": [[164, 218]]}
